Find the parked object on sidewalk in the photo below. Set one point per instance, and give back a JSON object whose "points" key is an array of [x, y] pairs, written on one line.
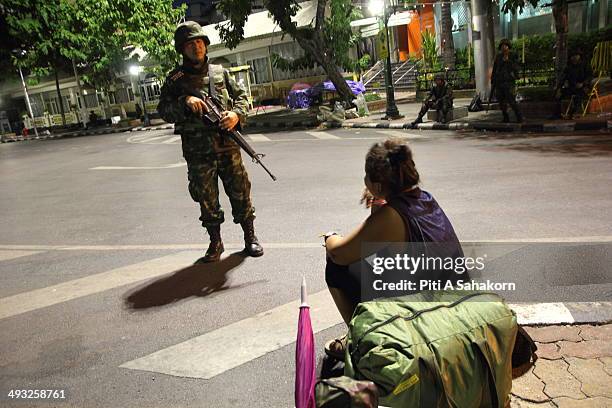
{"points": [[435, 349], [345, 392], [362, 105], [305, 368], [332, 117], [476, 104]]}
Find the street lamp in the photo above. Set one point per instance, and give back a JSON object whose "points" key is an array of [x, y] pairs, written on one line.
{"points": [[377, 7], [135, 71], [22, 53]]}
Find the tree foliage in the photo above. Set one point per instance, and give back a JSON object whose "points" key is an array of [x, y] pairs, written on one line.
{"points": [[327, 41], [98, 34]]}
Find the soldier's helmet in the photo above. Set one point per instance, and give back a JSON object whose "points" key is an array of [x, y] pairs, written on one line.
{"points": [[189, 30], [441, 77], [506, 42]]}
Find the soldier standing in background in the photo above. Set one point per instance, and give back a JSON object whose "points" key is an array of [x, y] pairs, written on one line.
{"points": [[505, 72], [209, 154]]}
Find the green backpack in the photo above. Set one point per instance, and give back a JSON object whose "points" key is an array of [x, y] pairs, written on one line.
{"points": [[434, 349]]}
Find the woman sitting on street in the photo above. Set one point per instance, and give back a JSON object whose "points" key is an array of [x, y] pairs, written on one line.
{"points": [[405, 214]]}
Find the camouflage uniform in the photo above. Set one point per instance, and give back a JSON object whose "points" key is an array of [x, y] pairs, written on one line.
{"points": [[505, 72], [440, 98], [208, 153]]}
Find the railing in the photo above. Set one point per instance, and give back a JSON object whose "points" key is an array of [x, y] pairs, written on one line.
{"points": [[374, 67], [464, 78], [401, 66], [412, 68]]}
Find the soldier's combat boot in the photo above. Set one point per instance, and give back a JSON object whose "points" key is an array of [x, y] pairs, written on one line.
{"points": [[215, 248], [506, 117], [251, 244], [416, 122]]}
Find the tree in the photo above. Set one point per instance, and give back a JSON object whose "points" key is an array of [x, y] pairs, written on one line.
{"points": [[560, 15], [446, 36], [327, 42], [97, 35]]}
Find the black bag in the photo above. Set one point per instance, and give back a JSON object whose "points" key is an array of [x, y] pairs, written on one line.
{"points": [[475, 104]]}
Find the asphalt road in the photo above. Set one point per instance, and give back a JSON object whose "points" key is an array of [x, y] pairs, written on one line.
{"points": [[96, 211]]}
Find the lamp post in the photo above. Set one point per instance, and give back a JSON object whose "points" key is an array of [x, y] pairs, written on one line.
{"points": [[135, 71], [377, 7]]}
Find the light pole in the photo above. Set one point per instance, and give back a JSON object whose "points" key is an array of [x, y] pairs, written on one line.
{"points": [[27, 98], [135, 70], [376, 7]]}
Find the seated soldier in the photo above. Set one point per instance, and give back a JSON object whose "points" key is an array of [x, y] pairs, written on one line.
{"points": [[574, 84], [440, 98]]}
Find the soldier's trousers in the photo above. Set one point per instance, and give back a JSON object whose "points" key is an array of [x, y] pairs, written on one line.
{"points": [[576, 97], [442, 106], [505, 96], [204, 187]]}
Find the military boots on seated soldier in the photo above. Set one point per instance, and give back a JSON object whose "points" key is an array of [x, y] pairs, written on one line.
{"points": [[440, 98], [574, 84]]}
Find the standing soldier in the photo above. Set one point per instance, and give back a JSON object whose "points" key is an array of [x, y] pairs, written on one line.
{"points": [[209, 154], [505, 71], [440, 98]]}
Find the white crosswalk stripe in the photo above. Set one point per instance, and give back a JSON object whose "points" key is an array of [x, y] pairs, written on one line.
{"points": [[323, 135], [199, 357], [63, 292], [258, 137], [400, 134], [13, 254], [172, 140]]}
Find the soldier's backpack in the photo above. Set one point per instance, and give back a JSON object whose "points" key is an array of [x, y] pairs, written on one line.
{"points": [[434, 349]]}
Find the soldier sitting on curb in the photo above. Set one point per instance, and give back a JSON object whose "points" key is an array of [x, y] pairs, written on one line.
{"points": [[440, 98]]}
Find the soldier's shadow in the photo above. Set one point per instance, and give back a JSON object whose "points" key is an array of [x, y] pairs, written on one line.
{"points": [[198, 280]]}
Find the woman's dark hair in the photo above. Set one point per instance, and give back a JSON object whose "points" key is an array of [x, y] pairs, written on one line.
{"points": [[390, 163]]}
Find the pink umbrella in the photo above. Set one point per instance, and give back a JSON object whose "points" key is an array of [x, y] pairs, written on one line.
{"points": [[305, 376]]}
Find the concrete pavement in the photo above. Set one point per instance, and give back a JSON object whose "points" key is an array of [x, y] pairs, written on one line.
{"points": [[99, 235]]}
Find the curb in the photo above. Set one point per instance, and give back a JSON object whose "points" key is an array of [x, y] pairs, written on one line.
{"points": [[548, 314], [283, 125], [491, 126], [65, 135], [145, 129]]}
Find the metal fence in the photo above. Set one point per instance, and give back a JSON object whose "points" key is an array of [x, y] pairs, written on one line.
{"points": [[463, 78]]}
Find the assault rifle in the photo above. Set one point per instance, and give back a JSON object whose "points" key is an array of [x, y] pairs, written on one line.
{"points": [[213, 116]]}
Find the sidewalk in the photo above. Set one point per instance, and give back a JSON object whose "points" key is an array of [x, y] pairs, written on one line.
{"points": [[282, 118], [574, 369]]}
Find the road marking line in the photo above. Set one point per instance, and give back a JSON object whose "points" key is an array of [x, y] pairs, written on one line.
{"points": [[148, 140], [169, 166], [258, 137], [323, 135], [171, 140], [289, 245], [89, 285], [5, 255], [400, 134], [213, 353], [275, 245]]}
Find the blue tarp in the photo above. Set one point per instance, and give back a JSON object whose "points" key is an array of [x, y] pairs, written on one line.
{"points": [[304, 98]]}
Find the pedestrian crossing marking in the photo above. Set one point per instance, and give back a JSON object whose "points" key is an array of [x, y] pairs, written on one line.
{"points": [[6, 255], [215, 352], [400, 134], [258, 137], [168, 166], [323, 135], [89, 285]]}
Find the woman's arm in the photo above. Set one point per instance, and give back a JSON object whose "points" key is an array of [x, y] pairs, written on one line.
{"points": [[385, 225]]}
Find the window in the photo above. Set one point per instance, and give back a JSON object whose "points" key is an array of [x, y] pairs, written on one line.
{"points": [[91, 100], [259, 70]]}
